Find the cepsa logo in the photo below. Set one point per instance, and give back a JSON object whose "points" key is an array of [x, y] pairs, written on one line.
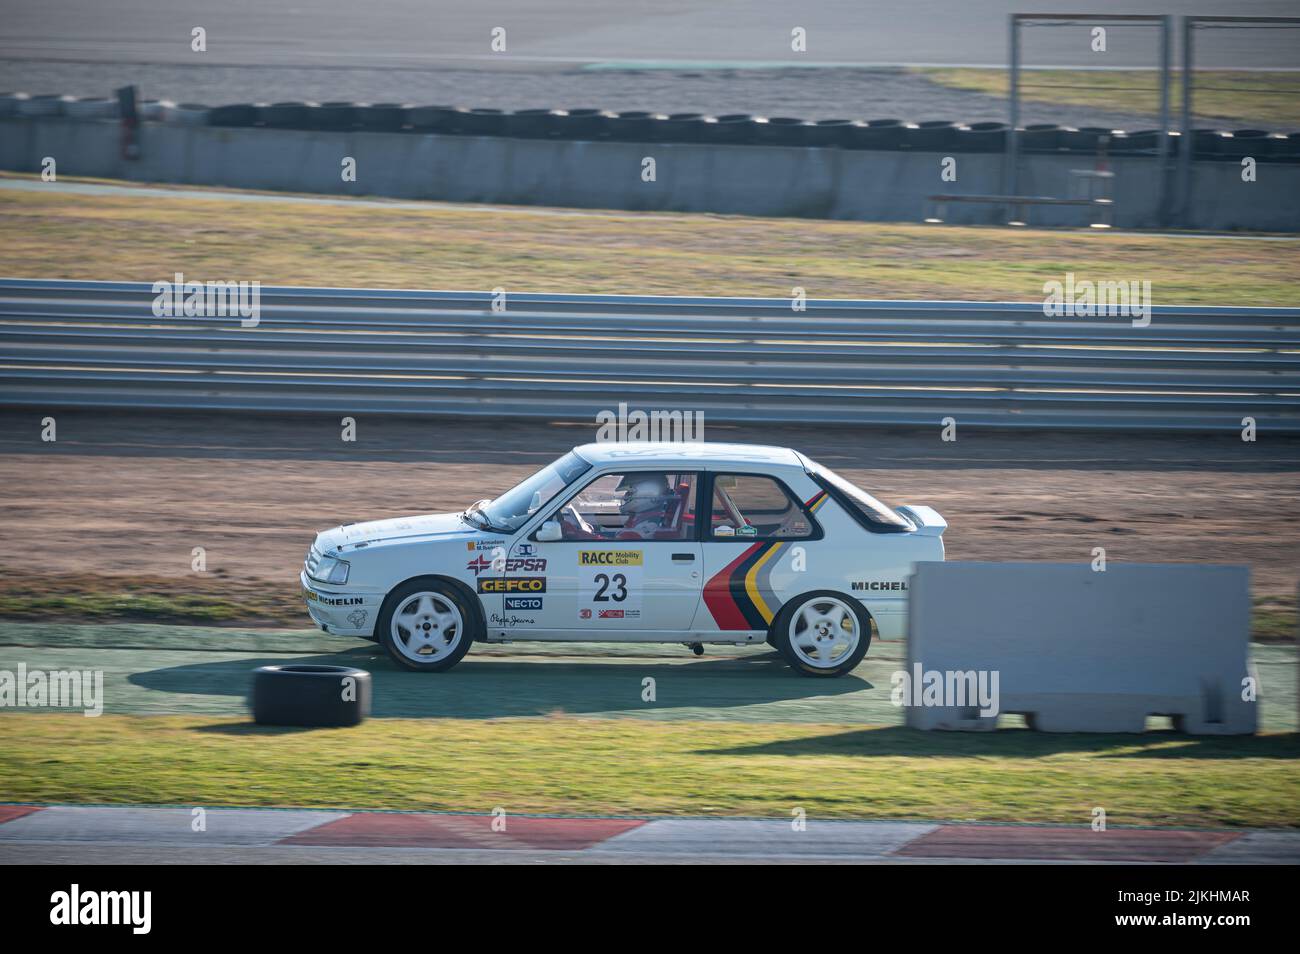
{"points": [[512, 584], [609, 558], [513, 565]]}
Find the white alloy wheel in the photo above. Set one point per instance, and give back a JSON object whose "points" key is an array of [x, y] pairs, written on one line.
{"points": [[824, 632], [426, 627]]}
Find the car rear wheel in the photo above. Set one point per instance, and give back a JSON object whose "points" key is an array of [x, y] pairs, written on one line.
{"points": [[822, 634], [426, 626]]}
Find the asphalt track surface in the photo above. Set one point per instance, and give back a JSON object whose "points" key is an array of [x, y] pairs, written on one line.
{"points": [[161, 835], [674, 56], [443, 33]]}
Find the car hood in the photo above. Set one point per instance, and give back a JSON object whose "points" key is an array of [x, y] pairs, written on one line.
{"points": [[377, 531]]}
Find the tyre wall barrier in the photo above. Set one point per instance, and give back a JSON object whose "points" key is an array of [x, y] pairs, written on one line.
{"points": [[735, 129], [382, 117], [878, 134], [152, 110], [687, 127], [1076, 650], [830, 132], [90, 107], [589, 124], [860, 184], [1144, 141], [1259, 143], [9, 103], [585, 124], [185, 114], [637, 125], [444, 120], [289, 115], [480, 122], [784, 131], [41, 105], [983, 137], [1044, 137], [232, 115], [535, 123], [939, 135]]}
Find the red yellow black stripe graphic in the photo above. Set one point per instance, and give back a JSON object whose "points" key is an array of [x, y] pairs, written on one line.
{"points": [[740, 596]]}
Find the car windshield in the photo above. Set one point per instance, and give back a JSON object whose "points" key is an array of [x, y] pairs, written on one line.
{"points": [[512, 509], [865, 504]]}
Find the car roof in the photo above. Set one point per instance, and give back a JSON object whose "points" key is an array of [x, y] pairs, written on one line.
{"points": [[687, 453]]}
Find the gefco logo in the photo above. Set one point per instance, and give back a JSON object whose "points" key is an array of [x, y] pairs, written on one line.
{"points": [[609, 558], [513, 565], [880, 585], [512, 584]]}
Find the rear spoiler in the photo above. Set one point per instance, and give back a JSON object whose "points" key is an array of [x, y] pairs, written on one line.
{"points": [[927, 519]]}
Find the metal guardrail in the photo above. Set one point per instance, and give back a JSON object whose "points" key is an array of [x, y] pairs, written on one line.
{"points": [[98, 344]]}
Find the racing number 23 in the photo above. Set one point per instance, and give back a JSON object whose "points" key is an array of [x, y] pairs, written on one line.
{"points": [[604, 582]]}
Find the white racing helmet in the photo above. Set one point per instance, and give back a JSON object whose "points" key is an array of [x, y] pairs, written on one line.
{"points": [[643, 493]]}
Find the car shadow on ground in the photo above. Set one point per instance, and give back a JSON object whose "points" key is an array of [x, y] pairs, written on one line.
{"points": [[886, 741], [490, 688]]}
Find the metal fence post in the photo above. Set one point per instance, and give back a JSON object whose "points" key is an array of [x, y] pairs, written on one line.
{"points": [[1165, 63], [1185, 147], [1012, 155]]}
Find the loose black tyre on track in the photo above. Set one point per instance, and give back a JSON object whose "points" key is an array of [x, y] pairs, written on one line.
{"points": [[822, 634], [310, 695], [427, 625]]}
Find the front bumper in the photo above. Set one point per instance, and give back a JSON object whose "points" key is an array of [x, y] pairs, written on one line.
{"points": [[340, 612]]}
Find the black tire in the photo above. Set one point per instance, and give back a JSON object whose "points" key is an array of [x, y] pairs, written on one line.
{"points": [[235, 114], [310, 695], [383, 117], [779, 634], [472, 623]]}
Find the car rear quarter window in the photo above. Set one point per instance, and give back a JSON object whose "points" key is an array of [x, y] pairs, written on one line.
{"points": [[756, 506], [864, 508]]}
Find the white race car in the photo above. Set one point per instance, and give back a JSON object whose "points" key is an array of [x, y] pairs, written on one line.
{"points": [[623, 542]]}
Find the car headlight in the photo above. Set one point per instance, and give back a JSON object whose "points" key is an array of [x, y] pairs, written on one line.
{"points": [[331, 569]]}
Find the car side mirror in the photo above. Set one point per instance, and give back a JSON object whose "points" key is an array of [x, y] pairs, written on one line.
{"points": [[549, 532]]}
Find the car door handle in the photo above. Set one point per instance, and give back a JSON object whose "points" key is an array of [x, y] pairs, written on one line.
{"points": [[684, 557]]}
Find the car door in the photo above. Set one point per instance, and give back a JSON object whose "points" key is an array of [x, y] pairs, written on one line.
{"points": [[753, 525], [628, 561]]}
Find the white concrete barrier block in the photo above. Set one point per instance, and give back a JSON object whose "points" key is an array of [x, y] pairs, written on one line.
{"points": [[1075, 650]]}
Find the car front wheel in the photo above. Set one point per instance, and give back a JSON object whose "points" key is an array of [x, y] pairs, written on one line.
{"points": [[823, 633], [426, 626]]}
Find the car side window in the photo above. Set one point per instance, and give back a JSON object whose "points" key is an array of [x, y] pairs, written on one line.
{"points": [[638, 505], [753, 505]]}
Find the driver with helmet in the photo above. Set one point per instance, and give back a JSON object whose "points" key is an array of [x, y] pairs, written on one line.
{"points": [[646, 505]]}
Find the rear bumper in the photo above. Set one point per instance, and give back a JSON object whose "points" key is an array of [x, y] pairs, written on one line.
{"points": [[339, 612], [891, 621]]}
